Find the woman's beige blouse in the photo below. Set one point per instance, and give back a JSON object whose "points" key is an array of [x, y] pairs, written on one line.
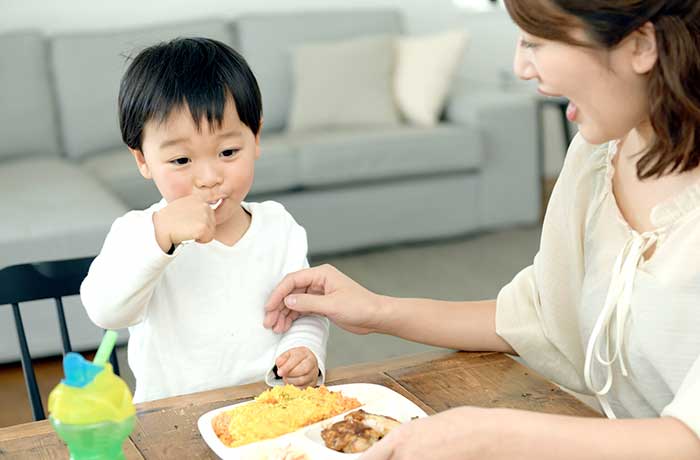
{"points": [[593, 315]]}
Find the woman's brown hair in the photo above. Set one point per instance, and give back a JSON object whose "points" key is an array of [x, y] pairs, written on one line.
{"points": [[674, 83]]}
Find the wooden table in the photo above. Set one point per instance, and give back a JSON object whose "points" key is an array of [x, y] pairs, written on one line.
{"points": [[436, 381]]}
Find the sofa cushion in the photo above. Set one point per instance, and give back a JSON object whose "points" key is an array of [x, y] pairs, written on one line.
{"points": [[369, 154], [87, 69], [266, 41], [387, 212], [344, 83], [27, 111], [56, 211], [425, 69], [116, 170], [278, 166]]}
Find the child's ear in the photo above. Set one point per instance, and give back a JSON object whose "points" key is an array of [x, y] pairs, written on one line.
{"points": [[257, 140], [141, 163]]}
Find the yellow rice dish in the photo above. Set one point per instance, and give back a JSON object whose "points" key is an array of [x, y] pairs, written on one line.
{"points": [[277, 411]]}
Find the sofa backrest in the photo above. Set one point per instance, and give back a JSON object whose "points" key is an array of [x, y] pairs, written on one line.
{"points": [[87, 68], [266, 40], [488, 60], [27, 109]]}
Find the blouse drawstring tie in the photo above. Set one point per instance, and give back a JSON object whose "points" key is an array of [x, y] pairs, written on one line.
{"points": [[617, 305]]}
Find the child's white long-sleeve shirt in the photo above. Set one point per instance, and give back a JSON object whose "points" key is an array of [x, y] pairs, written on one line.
{"points": [[195, 317]]}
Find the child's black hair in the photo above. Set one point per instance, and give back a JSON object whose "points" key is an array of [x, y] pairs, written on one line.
{"points": [[197, 73]]}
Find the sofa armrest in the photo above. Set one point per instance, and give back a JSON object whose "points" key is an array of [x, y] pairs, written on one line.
{"points": [[510, 190]]}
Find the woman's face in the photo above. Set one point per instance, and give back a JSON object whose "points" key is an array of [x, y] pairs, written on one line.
{"points": [[607, 89]]}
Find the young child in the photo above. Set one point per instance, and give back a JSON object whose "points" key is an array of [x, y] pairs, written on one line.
{"points": [[189, 276]]}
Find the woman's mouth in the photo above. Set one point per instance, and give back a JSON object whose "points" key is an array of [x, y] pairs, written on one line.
{"points": [[546, 94], [571, 108], [571, 111]]}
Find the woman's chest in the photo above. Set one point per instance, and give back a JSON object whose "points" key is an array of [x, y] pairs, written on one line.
{"points": [[657, 312], [638, 200], [658, 336], [635, 202]]}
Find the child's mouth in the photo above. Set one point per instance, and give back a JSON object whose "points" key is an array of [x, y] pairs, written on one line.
{"points": [[216, 204]]}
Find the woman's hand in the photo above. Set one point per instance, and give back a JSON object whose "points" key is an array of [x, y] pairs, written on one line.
{"points": [[324, 290], [463, 433], [471, 433]]}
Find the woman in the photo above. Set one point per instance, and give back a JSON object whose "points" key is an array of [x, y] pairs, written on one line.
{"points": [[611, 304]]}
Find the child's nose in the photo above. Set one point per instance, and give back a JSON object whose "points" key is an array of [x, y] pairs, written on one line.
{"points": [[208, 175]]}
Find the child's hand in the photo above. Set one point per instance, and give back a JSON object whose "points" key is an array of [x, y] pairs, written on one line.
{"points": [[298, 366], [187, 218]]}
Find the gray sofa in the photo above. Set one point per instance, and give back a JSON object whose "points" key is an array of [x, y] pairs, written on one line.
{"points": [[65, 175]]}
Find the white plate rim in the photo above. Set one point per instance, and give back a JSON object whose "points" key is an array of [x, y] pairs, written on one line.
{"points": [[224, 452]]}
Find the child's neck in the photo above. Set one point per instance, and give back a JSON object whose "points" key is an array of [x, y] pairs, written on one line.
{"points": [[231, 231]]}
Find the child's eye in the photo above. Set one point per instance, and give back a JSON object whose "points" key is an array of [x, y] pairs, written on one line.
{"points": [[180, 161], [228, 153]]}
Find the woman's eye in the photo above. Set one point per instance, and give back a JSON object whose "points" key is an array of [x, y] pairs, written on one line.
{"points": [[527, 45], [180, 161], [228, 153]]}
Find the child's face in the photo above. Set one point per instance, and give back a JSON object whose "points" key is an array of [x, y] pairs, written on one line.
{"points": [[608, 89], [211, 163]]}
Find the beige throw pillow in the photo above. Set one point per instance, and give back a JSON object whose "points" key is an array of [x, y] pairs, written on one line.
{"points": [[425, 69], [340, 84]]}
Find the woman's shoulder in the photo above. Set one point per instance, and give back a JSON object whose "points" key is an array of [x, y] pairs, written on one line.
{"points": [[587, 168], [583, 179], [583, 157]]}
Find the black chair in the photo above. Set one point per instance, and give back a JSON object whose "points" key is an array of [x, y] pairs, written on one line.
{"points": [[37, 281]]}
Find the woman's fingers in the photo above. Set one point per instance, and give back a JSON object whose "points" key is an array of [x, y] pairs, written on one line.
{"points": [[299, 281], [278, 327], [299, 293], [382, 450], [273, 315], [324, 291]]}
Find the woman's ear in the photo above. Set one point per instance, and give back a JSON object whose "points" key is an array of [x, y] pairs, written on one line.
{"points": [[646, 53], [141, 163], [257, 139]]}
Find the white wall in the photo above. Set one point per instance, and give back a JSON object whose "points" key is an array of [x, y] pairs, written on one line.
{"points": [[54, 16]]}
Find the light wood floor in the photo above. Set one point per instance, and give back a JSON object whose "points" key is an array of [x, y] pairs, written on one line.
{"points": [[14, 400], [13, 395]]}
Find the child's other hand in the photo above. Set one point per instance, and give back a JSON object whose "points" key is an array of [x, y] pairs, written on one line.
{"points": [[298, 366], [187, 218]]}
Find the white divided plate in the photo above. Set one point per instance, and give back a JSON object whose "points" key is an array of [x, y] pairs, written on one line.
{"points": [[375, 399]]}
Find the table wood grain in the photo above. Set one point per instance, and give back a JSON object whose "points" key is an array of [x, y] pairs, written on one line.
{"points": [[38, 441], [435, 381]]}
